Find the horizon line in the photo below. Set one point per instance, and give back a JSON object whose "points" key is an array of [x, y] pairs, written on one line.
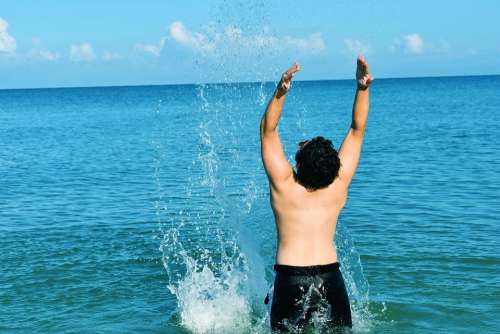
{"points": [[247, 82]]}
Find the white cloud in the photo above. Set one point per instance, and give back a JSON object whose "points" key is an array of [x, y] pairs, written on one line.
{"points": [[356, 47], [43, 54], [194, 40], [81, 52], [414, 43], [108, 56], [313, 43], [213, 42], [153, 49], [7, 42], [38, 52], [234, 37]]}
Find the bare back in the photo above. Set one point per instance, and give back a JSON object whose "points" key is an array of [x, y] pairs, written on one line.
{"points": [[306, 222]]}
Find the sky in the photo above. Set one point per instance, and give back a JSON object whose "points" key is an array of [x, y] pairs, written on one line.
{"points": [[53, 43]]}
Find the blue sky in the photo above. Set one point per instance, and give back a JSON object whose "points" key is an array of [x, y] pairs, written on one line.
{"points": [[55, 43]]}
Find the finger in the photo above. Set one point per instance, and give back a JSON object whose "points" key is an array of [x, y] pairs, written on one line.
{"points": [[365, 66], [367, 80], [362, 62], [291, 71]]}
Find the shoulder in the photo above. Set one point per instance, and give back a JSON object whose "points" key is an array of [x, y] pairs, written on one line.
{"points": [[283, 187], [337, 191]]}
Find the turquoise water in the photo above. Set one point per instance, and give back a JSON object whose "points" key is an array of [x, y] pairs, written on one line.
{"points": [[145, 209]]}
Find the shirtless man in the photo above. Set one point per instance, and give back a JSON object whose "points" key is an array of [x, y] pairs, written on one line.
{"points": [[306, 204]]}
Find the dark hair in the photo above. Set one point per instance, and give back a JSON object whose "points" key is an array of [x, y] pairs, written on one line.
{"points": [[318, 163]]}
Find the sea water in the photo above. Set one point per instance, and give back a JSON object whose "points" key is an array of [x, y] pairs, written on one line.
{"points": [[146, 209]]}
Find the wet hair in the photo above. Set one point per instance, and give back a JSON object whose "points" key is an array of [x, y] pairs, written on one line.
{"points": [[318, 163]]}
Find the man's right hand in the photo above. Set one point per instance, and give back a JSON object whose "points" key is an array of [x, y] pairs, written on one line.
{"points": [[363, 75]]}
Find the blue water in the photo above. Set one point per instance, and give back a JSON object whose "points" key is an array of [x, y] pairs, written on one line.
{"points": [[145, 209]]}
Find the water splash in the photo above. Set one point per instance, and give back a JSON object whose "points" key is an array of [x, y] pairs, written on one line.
{"points": [[215, 249], [205, 267], [356, 283], [213, 258], [208, 303]]}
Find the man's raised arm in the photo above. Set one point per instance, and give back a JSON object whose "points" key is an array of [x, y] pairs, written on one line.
{"points": [[350, 150], [277, 167]]}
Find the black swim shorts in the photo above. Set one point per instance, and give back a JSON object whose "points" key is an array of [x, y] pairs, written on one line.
{"points": [[305, 293]]}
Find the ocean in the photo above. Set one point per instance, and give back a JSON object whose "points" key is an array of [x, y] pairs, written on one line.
{"points": [[146, 210]]}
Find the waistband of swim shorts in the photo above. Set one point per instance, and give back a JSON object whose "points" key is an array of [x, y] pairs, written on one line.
{"points": [[307, 270]]}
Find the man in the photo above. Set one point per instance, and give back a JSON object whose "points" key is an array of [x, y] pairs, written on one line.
{"points": [[306, 204]]}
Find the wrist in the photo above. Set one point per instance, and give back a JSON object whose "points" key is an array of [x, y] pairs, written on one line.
{"points": [[280, 91]]}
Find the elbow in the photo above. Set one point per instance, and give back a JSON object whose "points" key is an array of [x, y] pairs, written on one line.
{"points": [[358, 128], [264, 128]]}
